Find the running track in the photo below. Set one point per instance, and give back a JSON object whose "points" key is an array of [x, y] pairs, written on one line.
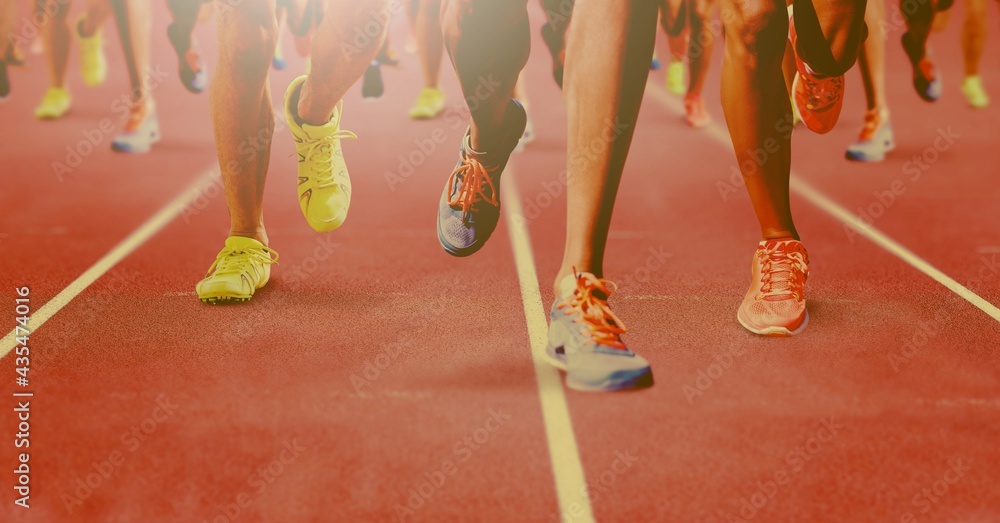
{"points": [[373, 360]]}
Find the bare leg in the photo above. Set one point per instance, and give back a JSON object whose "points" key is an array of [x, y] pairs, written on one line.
{"points": [[488, 41], [8, 11], [333, 70], [701, 45], [134, 20], [673, 21], [755, 102], [830, 33], [974, 35], [57, 36], [430, 42], [605, 80], [872, 59], [241, 110]]}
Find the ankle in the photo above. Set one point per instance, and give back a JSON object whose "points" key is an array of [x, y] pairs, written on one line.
{"points": [[256, 234], [311, 113], [780, 234]]}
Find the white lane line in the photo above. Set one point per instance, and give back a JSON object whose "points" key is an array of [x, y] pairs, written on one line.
{"points": [[138, 237], [840, 213], [571, 484]]}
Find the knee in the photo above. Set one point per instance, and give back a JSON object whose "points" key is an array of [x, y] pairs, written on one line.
{"points": [[247, 41], [758, 29], [361, 23], [458, 15]]}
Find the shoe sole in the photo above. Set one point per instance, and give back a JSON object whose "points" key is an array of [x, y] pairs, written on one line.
{"points": [[153, 139], [224, 299], [221, 299], [861, 157], [775, 332], [639, 381]]}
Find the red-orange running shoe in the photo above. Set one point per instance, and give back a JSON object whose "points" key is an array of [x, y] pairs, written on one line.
{"points": [[775, 305], [819, 98]]}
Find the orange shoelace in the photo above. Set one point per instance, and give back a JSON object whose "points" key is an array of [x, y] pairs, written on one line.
{"points": [[590, 301], [475, 180], [136, 115], [873, 119], [234, 261], [783, 273], [193, 60], [925, 69]]}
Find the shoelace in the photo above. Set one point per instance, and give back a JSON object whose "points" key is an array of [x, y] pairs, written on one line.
{"points": [[234, 261], [873, 119], [778, 273], [136, 115], [427, 98], [318, 153], [823, 92], [601, 323], [925, 69], [51, 97], [193, 60], [475, 179]]}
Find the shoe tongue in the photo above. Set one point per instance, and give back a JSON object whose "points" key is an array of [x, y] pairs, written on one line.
{"points": [[239, 243], [567, 286], [781, 243]]}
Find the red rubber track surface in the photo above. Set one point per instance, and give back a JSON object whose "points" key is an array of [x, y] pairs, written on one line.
{"points": [[378, 358]]}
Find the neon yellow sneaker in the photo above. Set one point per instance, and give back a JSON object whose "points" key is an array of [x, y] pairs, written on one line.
{"points": [[93, 65], [975, 94], [55, 104], [430, 103], [243, 266], [675, 77], [324, 184]]}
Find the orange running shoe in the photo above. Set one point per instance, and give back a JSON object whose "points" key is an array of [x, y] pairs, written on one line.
{"points": [[775, 305], [818, 98]]}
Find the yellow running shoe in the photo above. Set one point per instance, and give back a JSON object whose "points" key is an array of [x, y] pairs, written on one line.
{"points": [[324, 184], [975, 94], [242, 267], [93, 65], [675, 77], [55, 104], [429, 104]]}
